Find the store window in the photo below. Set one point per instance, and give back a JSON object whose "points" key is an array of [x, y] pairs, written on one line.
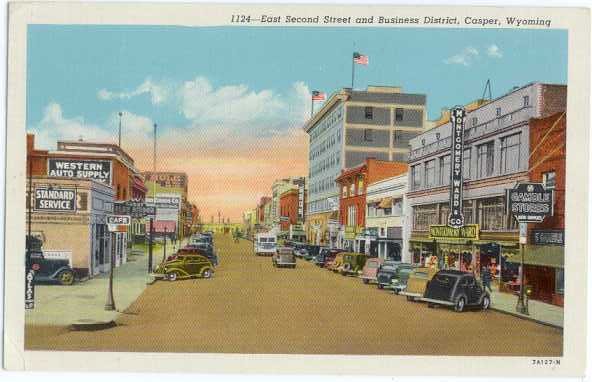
{"points": [[559, 281], [549, 180], [430, 173], [397, 207], [368, 112], [424, 216], [445, 170], [368, 135], [372, 209], [485, 160], [468, 211], [398, 114], [352, 216], [467, 163], [510, 154]]}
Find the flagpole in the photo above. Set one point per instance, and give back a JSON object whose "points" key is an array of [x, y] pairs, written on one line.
{"points": [[311, 105], [353, 71]]}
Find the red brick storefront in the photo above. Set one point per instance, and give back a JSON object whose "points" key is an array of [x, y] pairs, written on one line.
{"points": [[289, 208], [547, 166]]}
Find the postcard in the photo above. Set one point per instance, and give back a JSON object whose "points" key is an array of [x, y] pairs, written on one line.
{"points": [[303, 189]]}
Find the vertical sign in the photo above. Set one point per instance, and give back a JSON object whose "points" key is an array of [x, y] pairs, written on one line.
{"points": [[29, 289], [301, 202], [457, 120]]}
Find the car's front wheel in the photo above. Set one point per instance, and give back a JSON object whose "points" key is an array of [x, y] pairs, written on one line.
{"points": [[409, 298], [206, 273], [172, 276], [366, 281], [459, 306], [485, 303], [66, 277], [380, 286]]}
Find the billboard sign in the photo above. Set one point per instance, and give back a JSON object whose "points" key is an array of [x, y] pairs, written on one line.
{"points": [[530, 202], [48, 198], [135, 209], [99, 170], [167, 179], [457, 120]]}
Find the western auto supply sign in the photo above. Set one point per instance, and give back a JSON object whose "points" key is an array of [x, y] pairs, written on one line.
{"points": [[457, 120], [530, 202], [99, 170], [54, 199]]}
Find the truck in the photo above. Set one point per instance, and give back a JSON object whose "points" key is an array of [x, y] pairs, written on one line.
{"points": [[265, 244]]}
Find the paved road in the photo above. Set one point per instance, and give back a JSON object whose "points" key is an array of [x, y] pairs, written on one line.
{"points": [[251, 307]]}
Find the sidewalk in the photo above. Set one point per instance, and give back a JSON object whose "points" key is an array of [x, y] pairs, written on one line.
{"points": [[539, 311], [58, 305]]}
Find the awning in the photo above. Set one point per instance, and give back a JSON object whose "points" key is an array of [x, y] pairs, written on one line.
{"points": [[386, 203], [540, 255], [160, 226]]}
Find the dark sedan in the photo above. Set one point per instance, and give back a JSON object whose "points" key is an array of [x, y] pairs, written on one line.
{"points": [[456, 289]]}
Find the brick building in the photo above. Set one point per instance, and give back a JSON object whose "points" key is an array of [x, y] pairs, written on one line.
{"points": [[288, 209], [544, 253], [352, 201]]}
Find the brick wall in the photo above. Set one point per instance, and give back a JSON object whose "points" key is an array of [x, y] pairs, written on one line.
{"points": [[554, 99], [289, 207], [379, 170]]}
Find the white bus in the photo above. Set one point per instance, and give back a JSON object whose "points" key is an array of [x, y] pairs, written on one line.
{"points": [[265, 244]]}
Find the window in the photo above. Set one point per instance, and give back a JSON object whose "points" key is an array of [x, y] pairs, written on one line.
{"points": [[372, 209], [492, 216], [344, 192], [430, 173], [368, 112], [368, 136], [474, 121], [397, 207], [510, 154], [467, 163], [549, 180], [424, 216], [444, 212], [360, 185], [526, 100], [415, 177], [485, 159], [498, 112], [398, 114], [445, 170], [352, 189], [352, 216], [468, 211]]}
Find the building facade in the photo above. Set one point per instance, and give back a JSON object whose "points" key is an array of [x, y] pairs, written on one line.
{"points": [[170, 190], [387, 213], [288, 209], [495, 158], [351, 126], [277, 189]]}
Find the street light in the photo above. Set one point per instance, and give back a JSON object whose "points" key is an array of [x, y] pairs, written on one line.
{"points": [[120, 115]]}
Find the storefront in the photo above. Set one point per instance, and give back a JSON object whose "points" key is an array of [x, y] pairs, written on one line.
{"points": [[69, 215], [348, 234]]}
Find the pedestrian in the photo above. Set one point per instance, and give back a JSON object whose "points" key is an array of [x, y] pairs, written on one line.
{"points": [[486, 278]]}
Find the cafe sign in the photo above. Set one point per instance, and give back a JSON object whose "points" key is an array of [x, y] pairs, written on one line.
{"points": [[99, 170], [468, 231], [457, 120], [530, 202], [54, 199]]}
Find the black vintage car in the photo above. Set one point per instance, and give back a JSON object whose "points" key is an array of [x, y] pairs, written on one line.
{"points": [[387, 271], [457, 289], [325, 255], [51, 270], [311, 251]]}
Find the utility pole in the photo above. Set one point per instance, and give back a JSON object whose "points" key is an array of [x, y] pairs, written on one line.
{"points": [[154, 151], [110, 304]]}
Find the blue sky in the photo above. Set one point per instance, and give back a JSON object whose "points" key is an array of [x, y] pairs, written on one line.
{"points": [[215, 88]]}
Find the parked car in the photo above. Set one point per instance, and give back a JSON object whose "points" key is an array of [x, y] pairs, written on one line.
{"points": [[456, 289], [371, 270], [399, 281], [352, 263], [311, 251], [387, 271], [202, 249], [284, 257], [334, 264], [51, 270], [184, 267], [325, 256], [417, 282]]}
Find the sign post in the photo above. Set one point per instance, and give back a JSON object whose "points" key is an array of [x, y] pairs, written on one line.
{"points": [[529, 203], [457, 119]]}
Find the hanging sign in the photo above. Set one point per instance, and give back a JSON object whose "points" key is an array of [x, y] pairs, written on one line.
{"points": [[50, 198], [118, 219], [530, 202], [99, 170], [457, 120]]}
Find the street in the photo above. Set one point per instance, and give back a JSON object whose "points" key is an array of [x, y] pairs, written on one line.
{"points": [[251, 307]]}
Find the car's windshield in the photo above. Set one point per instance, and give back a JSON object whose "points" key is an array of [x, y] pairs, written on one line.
{"points": [[445, 280]]}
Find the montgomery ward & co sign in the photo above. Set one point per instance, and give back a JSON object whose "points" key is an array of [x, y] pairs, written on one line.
{"points": [[457, 119], [469, 231], [54, 199], [530, 202], [99, 170]]}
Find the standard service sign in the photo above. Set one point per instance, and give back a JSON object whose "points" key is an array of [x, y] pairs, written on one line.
{"points": [[530, 202], [55, 199]]}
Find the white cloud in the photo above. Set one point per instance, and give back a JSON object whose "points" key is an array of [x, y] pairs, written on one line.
{"points": [[237, 108], [465, 57], [494, 51], [159, 92], [54, 126]]}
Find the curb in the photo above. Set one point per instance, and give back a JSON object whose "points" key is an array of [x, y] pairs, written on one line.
{"points": [[524, 317], [91, 325]]}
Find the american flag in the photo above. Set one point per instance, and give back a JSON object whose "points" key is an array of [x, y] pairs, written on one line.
{"points": [[318, 96], [360, 59]]}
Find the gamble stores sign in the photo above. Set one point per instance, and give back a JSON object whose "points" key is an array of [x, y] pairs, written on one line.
{"points": [[99, 170], [55, 199], [457, 120]]}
